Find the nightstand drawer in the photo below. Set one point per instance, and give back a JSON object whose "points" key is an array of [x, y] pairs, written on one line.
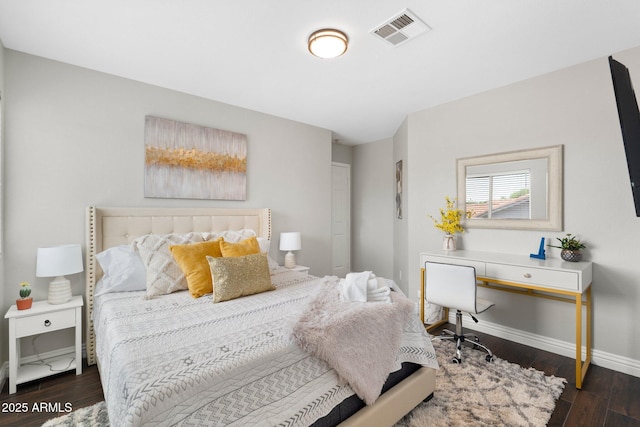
{"points": [[46, 322]]}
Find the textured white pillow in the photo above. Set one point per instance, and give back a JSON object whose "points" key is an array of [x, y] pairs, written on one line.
{"points": [[265, 244], [163, 276], [233, 236], [123, 271]]}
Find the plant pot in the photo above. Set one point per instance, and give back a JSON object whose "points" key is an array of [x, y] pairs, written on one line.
{"points": [[24, 304], [449, 242], [571, 256]]}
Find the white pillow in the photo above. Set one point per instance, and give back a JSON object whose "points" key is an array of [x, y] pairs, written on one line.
{"points": [[233, 236], [265, 245], [123, 271]]}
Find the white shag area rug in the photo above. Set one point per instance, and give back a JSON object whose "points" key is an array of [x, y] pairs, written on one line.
{"points": [[90, 416], [474, 393], [481, 393]]}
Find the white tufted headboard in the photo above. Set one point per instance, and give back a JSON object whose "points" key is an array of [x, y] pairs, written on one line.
{"points": [[113, 226]]}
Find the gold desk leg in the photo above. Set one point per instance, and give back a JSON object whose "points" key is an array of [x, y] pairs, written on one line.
{"points": [[581, 368], [587, 360], [578, 341], [589, 325], [422, 295]]}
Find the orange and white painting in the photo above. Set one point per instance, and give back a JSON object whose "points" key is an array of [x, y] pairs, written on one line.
{"points": [[187, 161]]}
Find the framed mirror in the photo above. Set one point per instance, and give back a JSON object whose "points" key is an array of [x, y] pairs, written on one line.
{"points": [[513, 190]]}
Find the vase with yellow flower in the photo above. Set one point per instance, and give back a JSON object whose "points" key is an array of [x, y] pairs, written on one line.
{"points": [[450, 218]]}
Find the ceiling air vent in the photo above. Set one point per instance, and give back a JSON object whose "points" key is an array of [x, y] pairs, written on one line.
{"points": [[401, 28]]}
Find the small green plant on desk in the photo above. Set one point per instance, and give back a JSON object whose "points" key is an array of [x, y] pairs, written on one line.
{"points": [[571, 247]]}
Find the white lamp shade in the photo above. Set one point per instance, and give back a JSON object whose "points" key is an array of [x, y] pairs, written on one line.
{"points": [[59, 260], [290, 241]]}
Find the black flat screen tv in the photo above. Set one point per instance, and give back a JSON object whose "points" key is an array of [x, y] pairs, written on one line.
{"points": [[629, 124]]}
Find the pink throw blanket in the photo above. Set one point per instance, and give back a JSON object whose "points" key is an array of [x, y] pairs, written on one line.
{"points": [[359, 340]]}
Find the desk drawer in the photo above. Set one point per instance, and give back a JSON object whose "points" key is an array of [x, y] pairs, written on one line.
{"points": [[478, 265], [46, 322], [552, 279]]}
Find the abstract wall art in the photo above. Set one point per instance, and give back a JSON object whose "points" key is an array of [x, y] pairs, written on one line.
{"points": [[187, 161]]}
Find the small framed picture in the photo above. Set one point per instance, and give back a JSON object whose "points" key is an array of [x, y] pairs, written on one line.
{"points": [[399, 189]]}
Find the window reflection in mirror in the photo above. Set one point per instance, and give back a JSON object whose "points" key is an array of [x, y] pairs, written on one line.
{"points": [[520, 189], [516, 190]]}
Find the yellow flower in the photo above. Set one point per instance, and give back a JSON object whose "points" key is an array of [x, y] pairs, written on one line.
{"points": [[450, 218]]}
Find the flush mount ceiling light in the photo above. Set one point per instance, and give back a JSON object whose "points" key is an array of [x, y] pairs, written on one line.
{"points": [[328, 43]]}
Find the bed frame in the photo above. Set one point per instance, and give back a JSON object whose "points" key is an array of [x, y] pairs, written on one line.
{"points": [[112, 226]]}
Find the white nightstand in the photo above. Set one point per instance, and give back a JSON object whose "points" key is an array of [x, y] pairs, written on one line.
{"points": [[41, 318]]}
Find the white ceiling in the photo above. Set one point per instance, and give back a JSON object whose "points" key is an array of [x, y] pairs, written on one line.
{"points": [[253, 53]]}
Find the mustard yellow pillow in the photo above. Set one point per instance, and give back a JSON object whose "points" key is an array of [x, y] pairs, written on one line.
{"points": [[192, 260], [244, 247], [240, 276]]}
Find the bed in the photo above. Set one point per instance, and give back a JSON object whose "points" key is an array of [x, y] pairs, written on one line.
{"points": [[177, 372]]}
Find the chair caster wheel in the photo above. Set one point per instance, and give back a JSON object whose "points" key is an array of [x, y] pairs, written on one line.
{"points": [[456, 360], [476, 340], [489, 358]]}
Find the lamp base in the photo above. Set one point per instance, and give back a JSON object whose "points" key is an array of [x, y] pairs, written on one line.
{"points": [[59, 290], [290, 260]]}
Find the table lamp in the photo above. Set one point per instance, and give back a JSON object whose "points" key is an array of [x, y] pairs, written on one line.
{"points": [[56, 261], [290, 242]]}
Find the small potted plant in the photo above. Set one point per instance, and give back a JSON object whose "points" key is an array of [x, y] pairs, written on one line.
{"points": [[570, 246], [25, 300]]}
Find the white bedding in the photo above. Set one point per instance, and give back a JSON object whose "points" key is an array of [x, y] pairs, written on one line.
{"points": [[178, 360]]}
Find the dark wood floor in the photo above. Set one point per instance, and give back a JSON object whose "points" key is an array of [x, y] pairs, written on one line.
{"points": [[608, 398], [61, 389]]}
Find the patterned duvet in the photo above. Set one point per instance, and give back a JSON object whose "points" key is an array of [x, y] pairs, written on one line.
{"points": [[178, 360]]}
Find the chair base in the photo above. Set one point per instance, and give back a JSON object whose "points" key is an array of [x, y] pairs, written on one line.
{"points": [[459, 337]]}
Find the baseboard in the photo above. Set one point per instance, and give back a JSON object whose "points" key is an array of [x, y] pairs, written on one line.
{"points": [[4, 370], [600, 358]]}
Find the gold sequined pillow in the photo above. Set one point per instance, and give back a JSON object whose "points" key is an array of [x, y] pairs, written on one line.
{"points": [[236, 277]]}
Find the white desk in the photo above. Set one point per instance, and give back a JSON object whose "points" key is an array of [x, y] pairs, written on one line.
{"points": [[552, 279]]}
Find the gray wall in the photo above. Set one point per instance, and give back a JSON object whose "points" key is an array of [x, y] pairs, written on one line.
{"points": [[372, 208], [574, 107], [342, 153], [74, 137]]}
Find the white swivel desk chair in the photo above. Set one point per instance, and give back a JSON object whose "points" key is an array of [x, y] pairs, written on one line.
{"points": [[454, 286]]}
